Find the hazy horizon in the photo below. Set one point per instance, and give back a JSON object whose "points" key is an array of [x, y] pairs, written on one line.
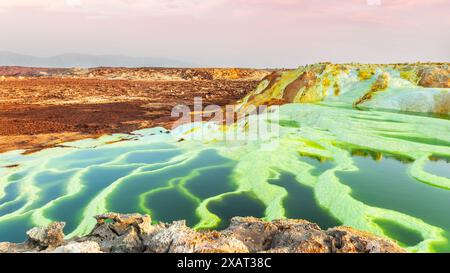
{"points": [[232, 33]]}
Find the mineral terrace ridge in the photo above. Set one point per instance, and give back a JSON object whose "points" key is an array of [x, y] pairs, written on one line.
{"points": [[328, 112]]}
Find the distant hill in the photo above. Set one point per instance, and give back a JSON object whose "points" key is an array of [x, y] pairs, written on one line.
{"points": [[85, 60], [409, 87]]}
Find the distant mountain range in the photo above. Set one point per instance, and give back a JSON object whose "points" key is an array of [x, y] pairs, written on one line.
{"points": [[86, 60]]}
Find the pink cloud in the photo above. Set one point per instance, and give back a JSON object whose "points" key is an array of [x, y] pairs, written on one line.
{"points": [[356, 10], [265, 32], [114, 7]]}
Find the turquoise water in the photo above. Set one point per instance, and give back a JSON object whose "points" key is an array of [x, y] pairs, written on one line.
{"points": [[386, 173], [387, 184], [438, 166], [300, 203]]}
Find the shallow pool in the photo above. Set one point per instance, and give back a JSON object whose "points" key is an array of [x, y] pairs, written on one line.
{"points": [[382, 172]]}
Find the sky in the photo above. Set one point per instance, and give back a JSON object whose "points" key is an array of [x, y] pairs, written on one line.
{"points": [[236, 33]]}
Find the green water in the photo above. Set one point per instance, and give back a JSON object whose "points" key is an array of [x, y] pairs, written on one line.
{"points": [[387, 184], [438, 166], [239, 204], [403, 235], [382, 172], [301, 203]]}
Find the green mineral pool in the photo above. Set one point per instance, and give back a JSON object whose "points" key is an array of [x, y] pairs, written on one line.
{"points": [[380, 171]]}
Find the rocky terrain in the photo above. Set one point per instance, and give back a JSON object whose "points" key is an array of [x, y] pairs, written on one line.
{"points": [[415, 87], [151, 74], [42, 107], [134, 233]]}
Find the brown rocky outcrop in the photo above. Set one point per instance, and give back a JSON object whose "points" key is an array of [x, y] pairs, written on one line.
{"points": [[134, 233], [319, 82], [435, 77], [39, 239]]}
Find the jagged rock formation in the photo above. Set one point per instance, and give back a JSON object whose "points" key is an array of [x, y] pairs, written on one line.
{"points": [[134, 233], [418, 87]]}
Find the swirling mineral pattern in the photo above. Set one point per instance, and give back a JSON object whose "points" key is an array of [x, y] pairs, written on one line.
{"points": [[383, 171]]}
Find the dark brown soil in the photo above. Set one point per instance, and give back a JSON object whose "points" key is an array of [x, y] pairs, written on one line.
{"points": [[42, 112]]}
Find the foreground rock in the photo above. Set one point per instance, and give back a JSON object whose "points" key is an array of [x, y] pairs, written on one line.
{"points": [[134, 233]]}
